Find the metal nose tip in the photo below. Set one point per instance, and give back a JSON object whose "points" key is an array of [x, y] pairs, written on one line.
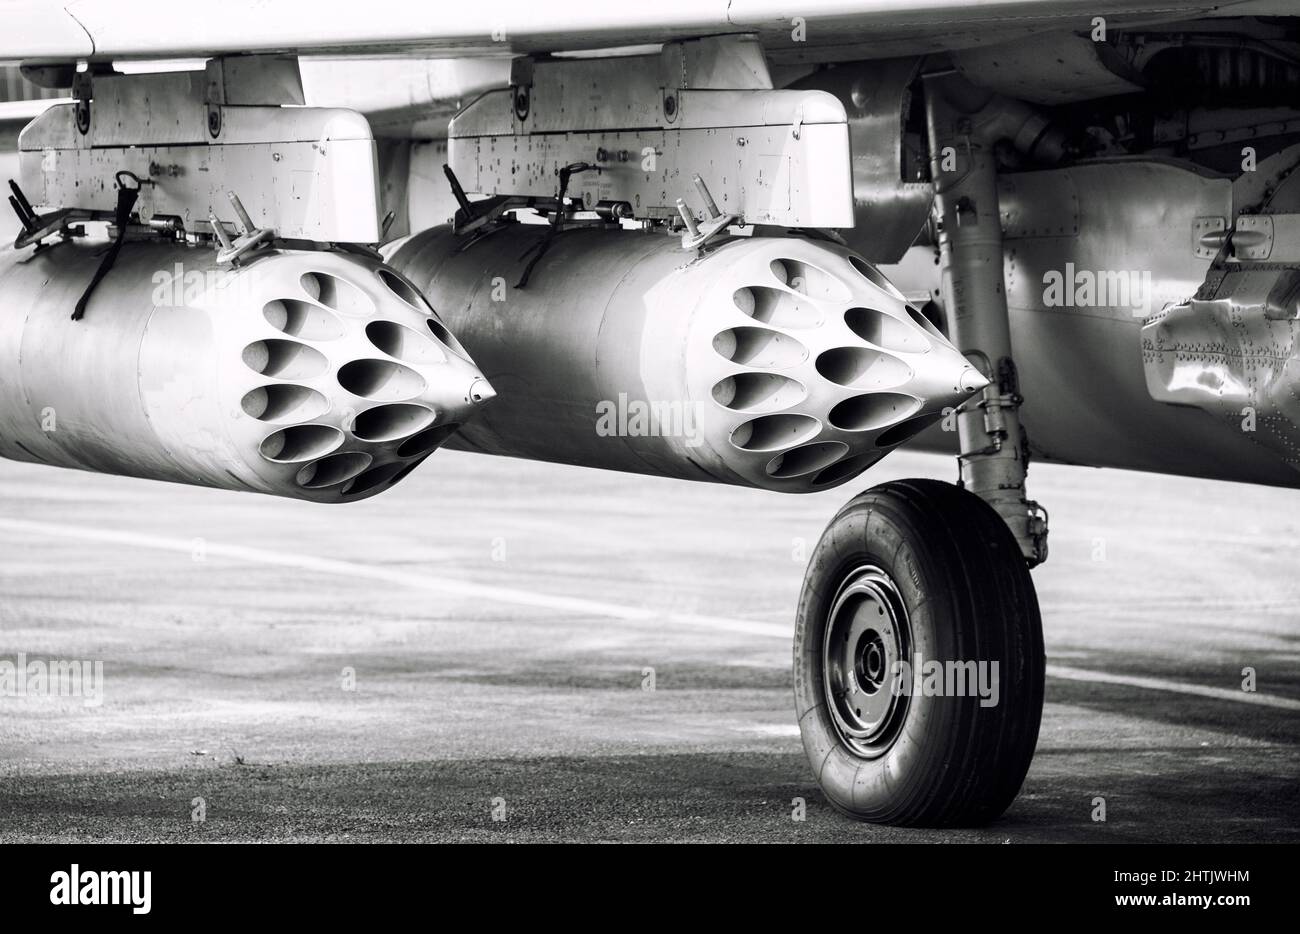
{"points": [[972, 380], [481, 391]]}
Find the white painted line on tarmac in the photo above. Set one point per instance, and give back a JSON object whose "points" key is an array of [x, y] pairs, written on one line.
{"points": [[1174, 687], [411, 579], [770, 729], [578, 605]]}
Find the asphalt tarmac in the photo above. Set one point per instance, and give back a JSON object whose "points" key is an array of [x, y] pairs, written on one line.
{"points": [[499, 650]]}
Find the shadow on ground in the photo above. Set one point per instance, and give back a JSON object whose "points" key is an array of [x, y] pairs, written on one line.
{"points": [[681, 797]]}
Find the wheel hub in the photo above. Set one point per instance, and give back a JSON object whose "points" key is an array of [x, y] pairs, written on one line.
{"points": [[867, 637]]}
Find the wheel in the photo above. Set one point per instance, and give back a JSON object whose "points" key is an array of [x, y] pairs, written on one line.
{"points": [[918, 658]]}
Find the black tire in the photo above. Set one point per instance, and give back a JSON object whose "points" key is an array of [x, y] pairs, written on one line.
{"points": [[928, 568]]}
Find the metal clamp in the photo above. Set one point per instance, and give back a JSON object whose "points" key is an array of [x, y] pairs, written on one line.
{"points": [[698, 234], [249, 239]]}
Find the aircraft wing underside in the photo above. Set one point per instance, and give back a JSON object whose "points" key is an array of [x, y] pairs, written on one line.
{"points": [[36, 31]]}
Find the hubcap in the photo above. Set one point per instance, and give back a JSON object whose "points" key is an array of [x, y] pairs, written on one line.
{"points": [[867, 636]]}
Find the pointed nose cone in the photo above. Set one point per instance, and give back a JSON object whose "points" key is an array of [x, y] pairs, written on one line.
{"points": [[972, 380], [481, 392], [457, 389], [943, 377]]}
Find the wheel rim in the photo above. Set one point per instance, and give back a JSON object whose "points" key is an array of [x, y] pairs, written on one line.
{"points": [[867, 636]]}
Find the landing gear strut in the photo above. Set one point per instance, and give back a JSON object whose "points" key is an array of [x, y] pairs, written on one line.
{"points": [[918, 658], [918, 650], [964, 128]]}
